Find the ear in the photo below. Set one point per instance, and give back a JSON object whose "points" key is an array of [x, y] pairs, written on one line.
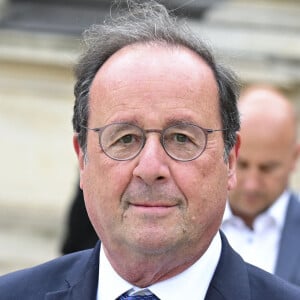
{"points": [[296, 156], [79, 153], [232, 160]]}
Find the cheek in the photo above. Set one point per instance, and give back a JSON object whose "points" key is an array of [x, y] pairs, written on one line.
{"points": [[103, 184], [105, 176], [205, 188], [276, 184], [210, 178]]}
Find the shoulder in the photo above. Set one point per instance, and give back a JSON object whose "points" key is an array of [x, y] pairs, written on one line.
{"points": [[294, 200], [52, 275], [268, 286], [293, 209], [236, 279]]}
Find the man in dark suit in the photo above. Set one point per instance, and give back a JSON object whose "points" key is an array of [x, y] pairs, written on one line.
{"points": [[80, 233], [262, 220], [155, 123]]}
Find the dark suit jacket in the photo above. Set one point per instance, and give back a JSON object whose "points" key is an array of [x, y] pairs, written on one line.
{"points": [[75, 276], [288, 261]]}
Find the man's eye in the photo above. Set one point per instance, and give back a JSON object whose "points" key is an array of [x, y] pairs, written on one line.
{"points": [[268, 168], [126, 139], [181, 138], [242, 165]]}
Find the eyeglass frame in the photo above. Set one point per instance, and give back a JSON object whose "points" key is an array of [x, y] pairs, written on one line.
{"points": [[99, 131]]}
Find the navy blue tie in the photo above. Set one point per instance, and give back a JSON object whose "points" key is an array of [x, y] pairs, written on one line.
{"points": [[138, 297]]}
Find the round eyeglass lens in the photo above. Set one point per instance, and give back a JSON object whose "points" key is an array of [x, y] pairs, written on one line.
{"points": [[184, 141], [121, 141]]}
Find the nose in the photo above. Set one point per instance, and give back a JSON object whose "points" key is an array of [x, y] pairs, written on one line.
{"points": [[152, 162], [252, 181]]}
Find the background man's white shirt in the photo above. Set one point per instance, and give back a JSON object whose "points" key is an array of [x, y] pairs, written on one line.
{"points": [[259, 246]]}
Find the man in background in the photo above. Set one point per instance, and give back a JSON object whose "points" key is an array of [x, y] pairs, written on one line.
{"points": [[262, 221], [79, 232]]}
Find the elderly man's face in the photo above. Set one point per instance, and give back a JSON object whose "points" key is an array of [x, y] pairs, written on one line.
{"points": [[153, 204]]}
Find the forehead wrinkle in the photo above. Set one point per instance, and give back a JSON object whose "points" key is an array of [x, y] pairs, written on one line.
{"points": [[181, 102], [117, 86], [132, 115]]}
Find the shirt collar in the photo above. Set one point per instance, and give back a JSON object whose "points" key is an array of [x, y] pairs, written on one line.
{"points": [[276, 212], [112, 285]]}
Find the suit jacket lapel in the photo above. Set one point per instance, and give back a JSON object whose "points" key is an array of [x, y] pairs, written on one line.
{"points": [[289, 254], [82, 281], [231, 270]]}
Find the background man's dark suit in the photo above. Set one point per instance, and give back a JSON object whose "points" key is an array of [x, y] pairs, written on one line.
{"points": [[75, 276], [288, 261], [79, 232]]}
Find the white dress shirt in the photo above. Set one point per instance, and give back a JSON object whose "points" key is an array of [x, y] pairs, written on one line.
{"points": [[192, 284], [259, 246]]}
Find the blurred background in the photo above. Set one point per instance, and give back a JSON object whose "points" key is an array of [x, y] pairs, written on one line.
{"points": [[39, 44]]}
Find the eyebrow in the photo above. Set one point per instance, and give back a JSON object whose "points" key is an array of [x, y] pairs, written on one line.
{"points": [[169, 122], [181, 120], [270, 164]]}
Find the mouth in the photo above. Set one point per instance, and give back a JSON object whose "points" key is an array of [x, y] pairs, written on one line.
{"points": [[252, 197], [152, 204], [157, 209]]}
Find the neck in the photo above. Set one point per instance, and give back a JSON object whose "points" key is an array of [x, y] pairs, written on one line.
{"points": [[144, 270]]}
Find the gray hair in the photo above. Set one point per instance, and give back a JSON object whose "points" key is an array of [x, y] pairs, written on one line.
{"points": [[148, 22]]}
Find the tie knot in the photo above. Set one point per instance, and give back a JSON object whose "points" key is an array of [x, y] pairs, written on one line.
{"points": [[148, 296]]}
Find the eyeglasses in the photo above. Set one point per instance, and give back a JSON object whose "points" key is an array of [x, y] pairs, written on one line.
{"points": [[124, 141]]}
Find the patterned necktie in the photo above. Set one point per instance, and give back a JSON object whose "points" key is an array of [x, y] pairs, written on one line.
{"points": [[138, 297]]}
